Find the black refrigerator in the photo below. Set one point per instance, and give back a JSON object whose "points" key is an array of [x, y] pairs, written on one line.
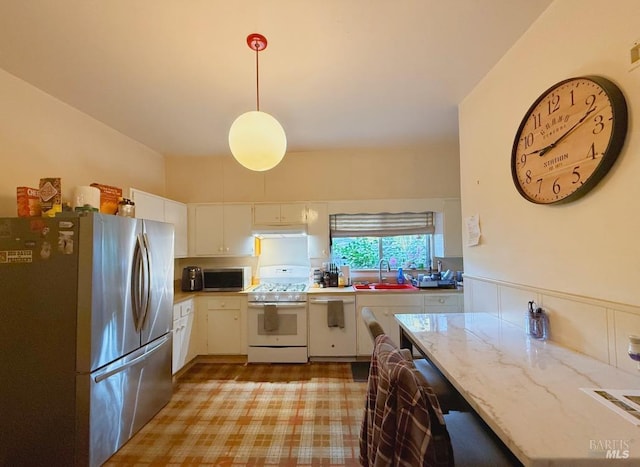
{"points": [[85, 341]]}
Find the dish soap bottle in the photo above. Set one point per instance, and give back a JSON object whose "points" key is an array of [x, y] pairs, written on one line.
{"points": [[400, 278]]}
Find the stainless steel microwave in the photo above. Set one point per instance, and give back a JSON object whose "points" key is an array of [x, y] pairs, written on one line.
{"points": [[226, 279]]}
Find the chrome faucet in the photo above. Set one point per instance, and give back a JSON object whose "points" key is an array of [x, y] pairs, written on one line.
{"points": [[380, 269]]}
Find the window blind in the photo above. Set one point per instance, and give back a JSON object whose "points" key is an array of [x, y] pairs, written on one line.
{"points": [[382, 224]]}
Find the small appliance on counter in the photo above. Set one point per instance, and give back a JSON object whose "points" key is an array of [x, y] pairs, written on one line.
{"points": [[191, 279], [226, 279]]}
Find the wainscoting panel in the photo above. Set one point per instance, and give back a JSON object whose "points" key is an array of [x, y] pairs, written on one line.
{"points": [[597, 328]]}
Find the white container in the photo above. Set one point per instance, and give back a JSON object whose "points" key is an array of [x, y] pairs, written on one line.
{"points": [[85, 195]]}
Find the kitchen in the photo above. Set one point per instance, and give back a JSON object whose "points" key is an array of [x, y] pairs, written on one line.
{"points": [[590, 311]]}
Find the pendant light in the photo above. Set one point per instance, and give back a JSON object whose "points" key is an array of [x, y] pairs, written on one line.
{"points": [[256, 139]]}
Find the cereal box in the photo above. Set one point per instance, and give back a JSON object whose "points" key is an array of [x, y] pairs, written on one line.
{"points": [[28, 201], [50, 196], [109, 197]]}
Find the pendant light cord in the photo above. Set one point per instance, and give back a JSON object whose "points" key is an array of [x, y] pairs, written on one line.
{"points": [[257, 47]]}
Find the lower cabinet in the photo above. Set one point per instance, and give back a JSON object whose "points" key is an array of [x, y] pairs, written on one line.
{"points": [[183, 316], [226, 325], [384, 307]]}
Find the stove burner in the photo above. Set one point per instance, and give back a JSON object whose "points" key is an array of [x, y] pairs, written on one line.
{"points": [[275, 287]]}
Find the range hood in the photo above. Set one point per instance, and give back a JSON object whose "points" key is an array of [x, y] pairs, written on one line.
{"points": [[279, 231]]}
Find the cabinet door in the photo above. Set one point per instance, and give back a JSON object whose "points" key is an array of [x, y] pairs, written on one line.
{"points": [[177, 360], [384, 307], [225, 326], [176, 213], [448, 236], [238, 240], [223, 332], [266, 214], [279, 214], [208, 230], [198, 338], [318, 230], [148, 206], [293, 213]]}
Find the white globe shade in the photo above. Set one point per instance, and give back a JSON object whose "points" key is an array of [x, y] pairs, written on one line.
{"points": [[257, 141]]}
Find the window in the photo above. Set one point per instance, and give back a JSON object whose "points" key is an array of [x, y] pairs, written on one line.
{"points": [[362, 240]]}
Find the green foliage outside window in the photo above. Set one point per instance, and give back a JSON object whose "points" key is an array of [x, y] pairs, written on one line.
{"points": [[406, 251]]}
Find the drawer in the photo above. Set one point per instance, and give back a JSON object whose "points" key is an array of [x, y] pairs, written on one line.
{"points": [[441, 300], [223, 303], [176, 311], [186, 308]]}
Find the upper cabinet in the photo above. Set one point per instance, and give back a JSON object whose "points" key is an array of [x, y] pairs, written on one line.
{"points": [[447, 240], [220, 230], [318, 230], [279, 214], [157, 208]]}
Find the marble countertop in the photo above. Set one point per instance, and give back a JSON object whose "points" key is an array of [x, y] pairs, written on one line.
{"points": [[528, 391]]}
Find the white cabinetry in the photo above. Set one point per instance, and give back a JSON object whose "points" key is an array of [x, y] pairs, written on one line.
{"points": [[443, 303], [384, 307], [318, 230], [220, 230], [183, 316], [447, 240], [226, 325], [157, 208], [325, 341], [279, 214]]}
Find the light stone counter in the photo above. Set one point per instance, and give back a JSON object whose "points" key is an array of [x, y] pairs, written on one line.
{"points": [[528, 391]]}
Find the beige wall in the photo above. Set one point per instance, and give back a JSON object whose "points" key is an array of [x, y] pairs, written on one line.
{"points": [[42, 137], [589, 247], [581, 259], [426, 172]]}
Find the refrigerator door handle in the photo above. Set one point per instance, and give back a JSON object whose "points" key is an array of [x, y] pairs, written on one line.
{"points": [[146, 277], [135, 361], [138, 279]]}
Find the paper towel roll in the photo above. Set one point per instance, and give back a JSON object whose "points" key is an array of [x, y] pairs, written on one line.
{"points": [[86, 195]]}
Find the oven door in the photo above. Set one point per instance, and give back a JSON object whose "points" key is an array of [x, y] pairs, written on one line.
{"points": [[291, 329]]}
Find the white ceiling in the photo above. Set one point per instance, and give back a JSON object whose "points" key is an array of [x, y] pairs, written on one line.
{"points": [[174, 74]]}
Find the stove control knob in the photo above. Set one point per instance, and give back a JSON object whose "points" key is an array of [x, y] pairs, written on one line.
{"points": [[276, 297]]}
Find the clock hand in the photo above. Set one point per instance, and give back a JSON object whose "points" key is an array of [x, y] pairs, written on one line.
{"points": [[546, 149]]}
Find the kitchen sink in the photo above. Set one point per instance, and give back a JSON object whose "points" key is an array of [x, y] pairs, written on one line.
{"points": [[380, 286]]}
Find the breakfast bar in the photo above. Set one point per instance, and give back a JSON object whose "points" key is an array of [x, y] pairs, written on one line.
{"points": [[528, 391]]}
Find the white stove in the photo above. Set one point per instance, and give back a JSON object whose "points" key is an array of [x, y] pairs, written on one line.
{"points": [[277, 316]]}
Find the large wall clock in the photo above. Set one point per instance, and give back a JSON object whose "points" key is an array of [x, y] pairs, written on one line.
{"points": [[569, 139]]}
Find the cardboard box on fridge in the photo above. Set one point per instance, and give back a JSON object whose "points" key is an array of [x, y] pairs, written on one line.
{"points": [[28, 201], [109, 197]]}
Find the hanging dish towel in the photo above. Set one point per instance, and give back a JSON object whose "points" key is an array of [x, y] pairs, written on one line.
{"points": [[335, 314], [271, 320]]}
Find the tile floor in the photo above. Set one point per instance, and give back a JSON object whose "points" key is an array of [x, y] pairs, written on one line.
{"points": [[253, 415]]}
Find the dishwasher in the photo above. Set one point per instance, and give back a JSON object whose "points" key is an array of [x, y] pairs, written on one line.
{"points": [[331, 343]]}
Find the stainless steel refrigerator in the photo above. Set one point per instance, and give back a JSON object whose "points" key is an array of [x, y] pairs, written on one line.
{"points": [[85, 335]]}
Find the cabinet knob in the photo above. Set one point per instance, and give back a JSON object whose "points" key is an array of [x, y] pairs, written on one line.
{"points": [[441, 300]]}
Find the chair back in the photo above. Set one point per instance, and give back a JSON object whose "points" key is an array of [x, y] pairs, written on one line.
{"points": [[374, 327]]}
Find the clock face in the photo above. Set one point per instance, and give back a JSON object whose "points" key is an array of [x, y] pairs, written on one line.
{"points": [[568, 140]]}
